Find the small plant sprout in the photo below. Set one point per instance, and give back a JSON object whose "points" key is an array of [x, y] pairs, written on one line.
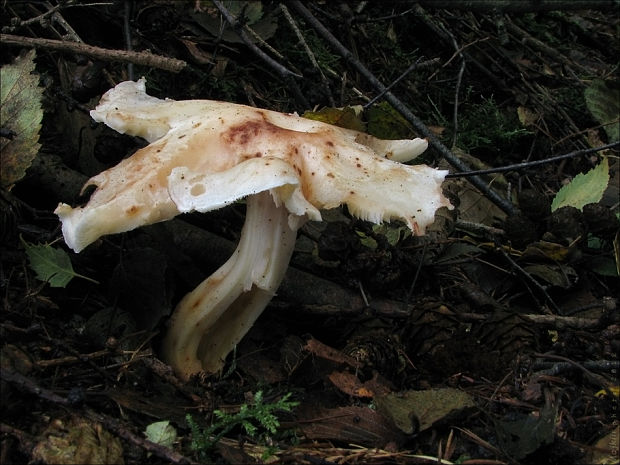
{"points": [[204, 155]]}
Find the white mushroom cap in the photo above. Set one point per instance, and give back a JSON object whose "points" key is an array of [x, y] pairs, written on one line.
{"points": [[206, 154]]}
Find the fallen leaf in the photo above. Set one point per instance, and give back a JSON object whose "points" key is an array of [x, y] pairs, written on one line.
{"points": [[351, 385], [527, 433], [161, 432], [527, 117], [557, 275], [21, 114], [605, 451], [326, 352], [349, 425], [414, 411], [347, 117], [77, 441], [585, 188]]}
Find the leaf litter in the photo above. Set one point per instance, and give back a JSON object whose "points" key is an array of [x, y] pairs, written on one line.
{"points": [[511, 316]]}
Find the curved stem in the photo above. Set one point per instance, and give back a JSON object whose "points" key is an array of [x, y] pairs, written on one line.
{"points": [[212, 319]]}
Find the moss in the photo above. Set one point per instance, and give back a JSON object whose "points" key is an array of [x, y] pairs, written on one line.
{"points": [[488, 127]]}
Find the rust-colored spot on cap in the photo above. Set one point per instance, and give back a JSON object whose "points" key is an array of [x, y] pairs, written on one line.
{"points": [[133, 210]]}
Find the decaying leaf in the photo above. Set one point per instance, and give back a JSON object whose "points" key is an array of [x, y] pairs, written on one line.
{"points": [[527, 117], [603, 102], [584, 188], [326, 352], [347, 117], [20, 114], [384, 122], [351, 385], [77, 441], [525, 434], [605, 450], [349, 425], [380, 120], [414, 411], [557, 275]]}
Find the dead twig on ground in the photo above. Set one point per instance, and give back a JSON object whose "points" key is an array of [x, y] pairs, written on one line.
{"points": [[288, 75], [315, 64], [530, 164], [139, 58], [595, 378], [508, 6]]}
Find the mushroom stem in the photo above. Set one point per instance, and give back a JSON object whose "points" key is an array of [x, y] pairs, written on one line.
{"points": [[214, 317]]}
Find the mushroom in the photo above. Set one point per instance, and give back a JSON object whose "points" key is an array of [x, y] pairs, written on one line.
{"points": [[206, 154]]}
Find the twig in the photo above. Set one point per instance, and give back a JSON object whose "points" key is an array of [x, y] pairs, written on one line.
{"points": [[529, 164], [400, 107], [510, 6], [69, 359], [412, 67], [284, 72], [415, 277], [127, 36], [554, 369], [531, 280], [597, 379], [139, 58], [525, 37], [479, 228], [302, 41], [28, 22], [26, 384], [58, 18], [563, 322]]}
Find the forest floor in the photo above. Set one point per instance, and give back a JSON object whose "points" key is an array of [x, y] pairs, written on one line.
{"points": [[492, 339]]}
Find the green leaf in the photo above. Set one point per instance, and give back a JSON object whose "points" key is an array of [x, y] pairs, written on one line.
{"points": [[385, 122], [250, 11], [367, 241], [51, 265], [347, 117], [21, 114], [604, 104], [161, 432], [584, 188], [392, 233]]}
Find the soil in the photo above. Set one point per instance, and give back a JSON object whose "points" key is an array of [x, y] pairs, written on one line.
{"points": [[493, 339]]}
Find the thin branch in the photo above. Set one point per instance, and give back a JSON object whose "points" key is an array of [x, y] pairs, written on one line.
{"points": [[510, 6], [597, 379], [529, 278], [139, 58], [529, 164], [304, 44], [37, 19], [127, 36], [70, 33], [284, 72], [400, 107], [412, 67]]}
